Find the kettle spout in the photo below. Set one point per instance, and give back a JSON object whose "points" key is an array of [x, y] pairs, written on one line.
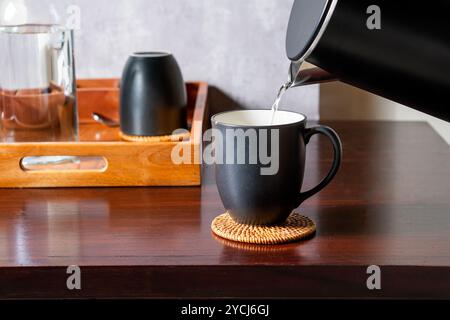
{"points": [[298, 77], [294, 69]]}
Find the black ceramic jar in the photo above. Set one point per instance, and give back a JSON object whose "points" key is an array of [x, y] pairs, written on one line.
{"points": [[153, 98]]}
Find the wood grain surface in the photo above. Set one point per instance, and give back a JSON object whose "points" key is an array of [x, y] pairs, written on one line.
{"points": [[388, 206]]}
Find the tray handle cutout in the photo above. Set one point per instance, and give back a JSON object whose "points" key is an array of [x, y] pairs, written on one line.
{"points": [[64, 164]]}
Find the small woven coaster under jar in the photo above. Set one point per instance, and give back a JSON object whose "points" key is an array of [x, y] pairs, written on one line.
{"points": [[295, 228], [170, 138]]}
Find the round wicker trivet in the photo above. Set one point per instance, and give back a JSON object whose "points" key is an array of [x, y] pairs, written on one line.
{"points": [[296, 227], [252, 247], [171, 138]]}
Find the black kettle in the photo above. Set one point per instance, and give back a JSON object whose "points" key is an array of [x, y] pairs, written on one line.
{"points": [[397, 49]]}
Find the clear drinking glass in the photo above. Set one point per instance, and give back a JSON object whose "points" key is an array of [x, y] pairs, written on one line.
{"points": [[37, 74]]}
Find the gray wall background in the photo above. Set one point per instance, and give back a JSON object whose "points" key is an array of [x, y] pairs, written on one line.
{"points": [[237, 46]]}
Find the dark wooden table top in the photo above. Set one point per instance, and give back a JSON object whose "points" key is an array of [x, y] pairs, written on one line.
{"points": [[389, 206]]}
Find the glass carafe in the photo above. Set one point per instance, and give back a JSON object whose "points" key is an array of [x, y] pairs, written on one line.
{"points": [[37, 74]]}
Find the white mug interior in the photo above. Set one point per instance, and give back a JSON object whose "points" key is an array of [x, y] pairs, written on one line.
{"points": [[258, 118]]}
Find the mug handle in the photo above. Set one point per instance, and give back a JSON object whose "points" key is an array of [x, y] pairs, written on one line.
{"points": [[337, 148]]}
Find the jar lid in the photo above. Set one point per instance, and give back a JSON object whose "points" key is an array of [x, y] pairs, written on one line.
{"points": [[28, 12]]}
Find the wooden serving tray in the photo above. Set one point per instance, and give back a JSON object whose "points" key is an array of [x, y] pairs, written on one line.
{"points": [[106, 159]]}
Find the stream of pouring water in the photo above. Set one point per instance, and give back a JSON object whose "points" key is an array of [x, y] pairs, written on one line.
{"points": [[280, 94], [294, 75]]}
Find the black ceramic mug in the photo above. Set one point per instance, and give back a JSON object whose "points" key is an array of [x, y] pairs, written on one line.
{"points": [[260, 163], [153, 98]]}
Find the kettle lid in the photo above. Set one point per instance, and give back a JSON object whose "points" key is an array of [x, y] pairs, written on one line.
{"points": [[308, 21]]}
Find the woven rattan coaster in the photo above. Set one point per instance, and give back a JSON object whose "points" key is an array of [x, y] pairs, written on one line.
{"points": [[175, 138], [295, 228]]}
